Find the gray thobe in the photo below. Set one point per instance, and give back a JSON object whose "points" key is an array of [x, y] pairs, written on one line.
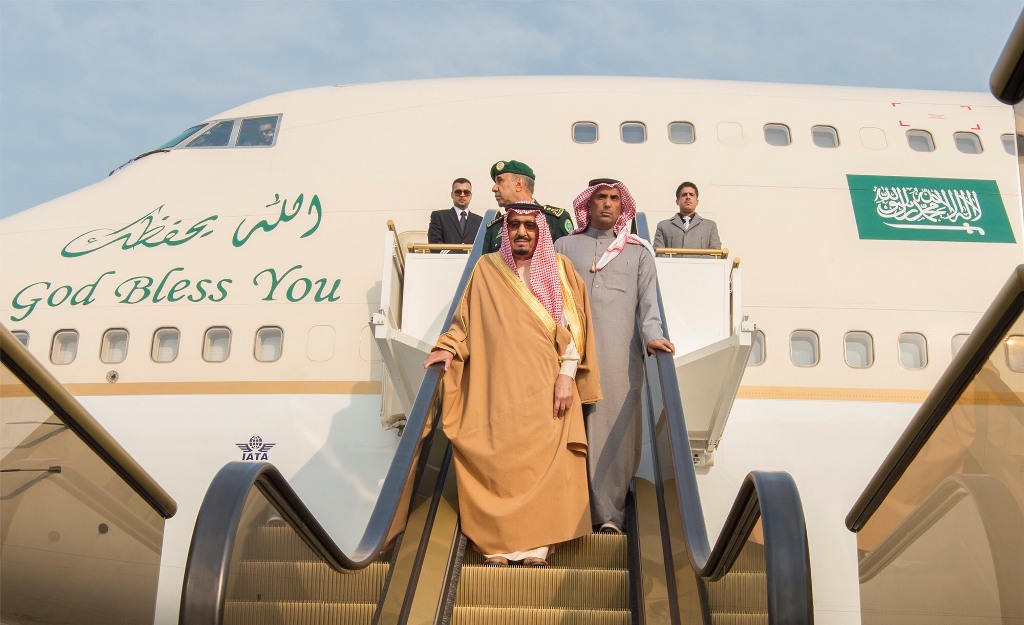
{"points": [[624, 304]]}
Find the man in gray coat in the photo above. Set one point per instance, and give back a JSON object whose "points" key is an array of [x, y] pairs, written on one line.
{"points": [[687, 229], [618, 269]]}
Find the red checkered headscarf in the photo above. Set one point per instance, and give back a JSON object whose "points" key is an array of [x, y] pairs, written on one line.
{"points": [[582, 206], [543, 279]]}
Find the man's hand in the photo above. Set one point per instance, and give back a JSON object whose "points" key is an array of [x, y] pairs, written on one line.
{"points": [[563, 395], [662, 345], [439, 355]]}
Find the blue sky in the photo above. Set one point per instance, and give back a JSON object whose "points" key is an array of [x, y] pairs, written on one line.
{"points": [[84, 86]]}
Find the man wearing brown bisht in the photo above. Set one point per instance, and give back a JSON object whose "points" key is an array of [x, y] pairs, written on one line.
{"points": [[519, 363]]}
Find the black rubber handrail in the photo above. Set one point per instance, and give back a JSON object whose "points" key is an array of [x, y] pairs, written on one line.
{"points": [[992, 327], [215, 536], [771, 496], [77, 419], [1007, 79]]}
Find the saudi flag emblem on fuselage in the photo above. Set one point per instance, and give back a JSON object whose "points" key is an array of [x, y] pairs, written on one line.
{"points": [[929, 209]]}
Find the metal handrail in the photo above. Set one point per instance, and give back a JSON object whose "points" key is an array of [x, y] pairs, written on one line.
{"points": [[771, 496], [205, 586], [992, 327], [66, 408], [398, 247], [439, 247], [685, 251]]}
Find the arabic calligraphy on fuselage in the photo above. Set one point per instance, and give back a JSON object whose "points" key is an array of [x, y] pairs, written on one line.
{"points": [[914, 204]]}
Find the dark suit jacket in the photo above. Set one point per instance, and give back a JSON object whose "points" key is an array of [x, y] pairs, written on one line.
{"points": [[702, 235], [444, 227]]}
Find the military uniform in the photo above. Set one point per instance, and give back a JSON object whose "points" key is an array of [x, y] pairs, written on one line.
{"points": [[559, 220], [559, 225]]}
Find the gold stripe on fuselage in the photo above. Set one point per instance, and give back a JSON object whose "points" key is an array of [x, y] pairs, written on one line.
{"points": [[373, 387], [341, 387]]}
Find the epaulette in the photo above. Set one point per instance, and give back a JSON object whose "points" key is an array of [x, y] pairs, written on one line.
{"points": [[554, 210], [496, 220]]}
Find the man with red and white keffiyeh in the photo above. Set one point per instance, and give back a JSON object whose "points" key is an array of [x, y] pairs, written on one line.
{"points": [[519, 365], [618, 269]]}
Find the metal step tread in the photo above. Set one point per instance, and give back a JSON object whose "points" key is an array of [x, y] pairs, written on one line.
{"points": [[282, 581], [270, 612], [543, 587], [608, 551], [739, 592], [739, 619], [480, 615], [278, 542]]}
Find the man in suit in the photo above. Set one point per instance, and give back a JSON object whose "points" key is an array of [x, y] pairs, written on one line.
{"points": [[513, 183], [687, 229], [456, 224]]}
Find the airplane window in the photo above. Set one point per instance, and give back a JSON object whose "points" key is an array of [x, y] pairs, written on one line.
{"points": [[920, 141], [913, 350], [1015, 353], [584, 132], [258, 131], [181, 137], [1008, 143], [859, 350], [681, 132], [967, 142], [22, 336], [269, 341], [756, 356], [958, 343], [217, 344], [633, 132], [114, 347], [803, 348], [777, 134], [64, 347], [165, 344], [216, 137], [825, 136]]}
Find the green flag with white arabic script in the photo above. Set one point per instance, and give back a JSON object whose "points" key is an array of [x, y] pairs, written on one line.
{"points": [[929, 209]]}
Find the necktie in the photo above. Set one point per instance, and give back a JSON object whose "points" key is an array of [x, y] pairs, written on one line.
{"points": [[686, 223], [462, 222]]}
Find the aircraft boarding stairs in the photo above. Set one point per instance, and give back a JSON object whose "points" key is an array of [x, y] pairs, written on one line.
{"points": [[942, 521], [244, 567]]}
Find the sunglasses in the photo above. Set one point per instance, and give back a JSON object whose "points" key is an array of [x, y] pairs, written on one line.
{"points": [[462, 192]]}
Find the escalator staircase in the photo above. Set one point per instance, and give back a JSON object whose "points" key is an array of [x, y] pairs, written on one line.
{"points": [[586, 582], [739, 597], [278, 567]]}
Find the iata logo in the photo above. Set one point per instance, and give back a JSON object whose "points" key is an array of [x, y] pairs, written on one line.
{"points": [[255, 449]]}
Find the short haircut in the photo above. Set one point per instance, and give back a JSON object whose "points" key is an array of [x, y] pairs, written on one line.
{"points": [[679, 189], [460, 181], [528, 182]]}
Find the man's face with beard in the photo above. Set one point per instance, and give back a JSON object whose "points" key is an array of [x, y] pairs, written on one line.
{"points": [[522, 233]]}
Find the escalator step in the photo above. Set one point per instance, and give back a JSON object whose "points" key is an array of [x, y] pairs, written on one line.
{"points": [[277, 542], [281, 581], [601, 589], [596, 551], [275, 612], [742, 593], [537, 616], [739, 619]]}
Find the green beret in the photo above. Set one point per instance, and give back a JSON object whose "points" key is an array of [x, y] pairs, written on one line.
{"points": [[511, 167]]}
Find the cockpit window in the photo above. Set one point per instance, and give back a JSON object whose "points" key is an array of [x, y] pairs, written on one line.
{"points": [[181, 137], [216, 137], [258, 131]]}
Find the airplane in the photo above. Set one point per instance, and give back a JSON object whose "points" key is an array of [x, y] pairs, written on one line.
{"points": [[239, 296]]}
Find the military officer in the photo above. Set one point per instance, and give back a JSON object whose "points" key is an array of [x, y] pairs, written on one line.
{"points": [[513, 183]]}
